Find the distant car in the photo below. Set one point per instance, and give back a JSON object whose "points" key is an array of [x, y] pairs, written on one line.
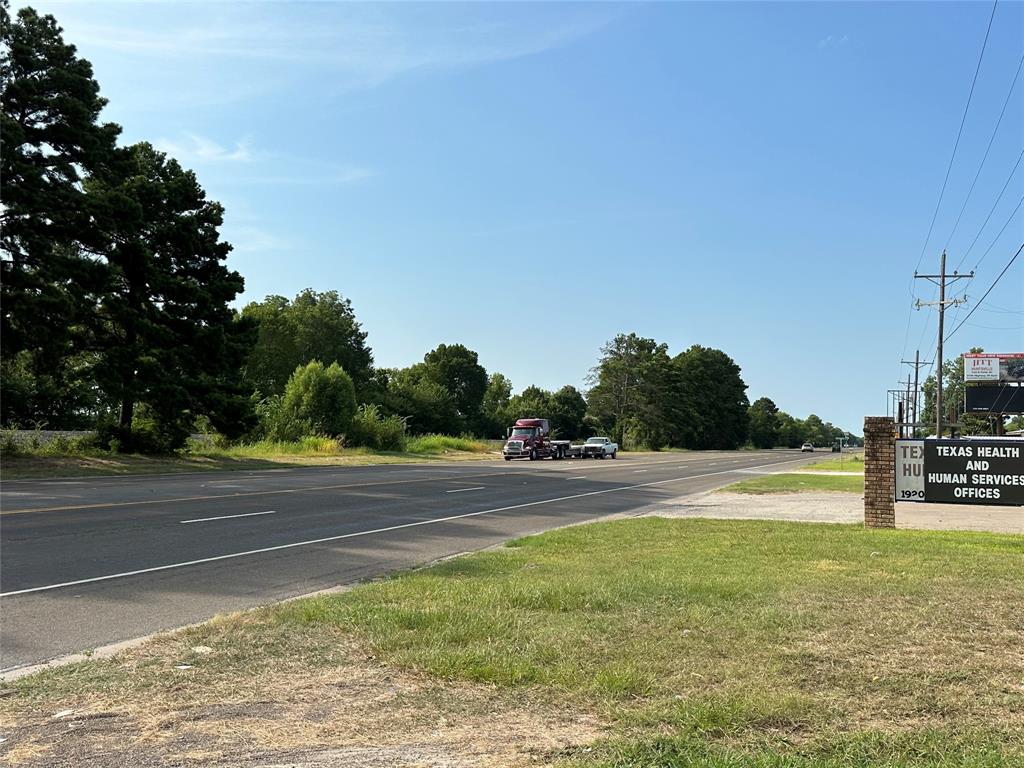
{"points": [[807, 448]]}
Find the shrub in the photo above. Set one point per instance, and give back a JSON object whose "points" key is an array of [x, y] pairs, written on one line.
{"points": [[9, 441], [278, 425], [147, 434], [323, 397], [68, 445], [442, 443], [372, 429]]}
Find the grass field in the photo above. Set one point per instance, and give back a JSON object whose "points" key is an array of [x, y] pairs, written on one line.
{"points": [[310, 451], [722, 644], [797, 483], [852, 463]]}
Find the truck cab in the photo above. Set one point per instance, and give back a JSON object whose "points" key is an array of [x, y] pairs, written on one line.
{"points": [[529, 438]]}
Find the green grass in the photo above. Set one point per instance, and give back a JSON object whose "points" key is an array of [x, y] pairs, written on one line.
{"points": [[723, 644], [796, 483], [48, 461], [427, 444], [852, 463]]}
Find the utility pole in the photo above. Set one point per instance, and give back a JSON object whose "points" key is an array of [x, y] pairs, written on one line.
{"points": [[917, 363], [941, 280], [908, 410]]}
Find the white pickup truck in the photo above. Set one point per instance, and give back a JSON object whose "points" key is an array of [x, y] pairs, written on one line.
{"points": [[599, 448]]}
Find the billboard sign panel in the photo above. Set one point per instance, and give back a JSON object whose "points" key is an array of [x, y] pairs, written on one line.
{"points": [[1002, 398], [1006, 367]]}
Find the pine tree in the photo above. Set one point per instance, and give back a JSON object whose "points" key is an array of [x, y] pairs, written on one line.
{"points": [[50, 136], [164, 329]]}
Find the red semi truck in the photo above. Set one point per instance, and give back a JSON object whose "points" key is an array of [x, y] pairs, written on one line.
{"points": [[531, 438]]}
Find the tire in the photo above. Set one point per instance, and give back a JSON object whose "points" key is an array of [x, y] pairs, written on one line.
{"points": [[508, 458], [604, 456], [613, 454], [533, 454]]}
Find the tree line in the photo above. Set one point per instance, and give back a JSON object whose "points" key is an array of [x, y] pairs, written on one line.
{"points": [[117, 313]]}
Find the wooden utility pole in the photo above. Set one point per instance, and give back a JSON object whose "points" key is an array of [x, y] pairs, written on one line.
{"points": [[917, 363], [941, 280]]}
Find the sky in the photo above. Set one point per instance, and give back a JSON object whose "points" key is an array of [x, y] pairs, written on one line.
{"points": [[531, 179]]}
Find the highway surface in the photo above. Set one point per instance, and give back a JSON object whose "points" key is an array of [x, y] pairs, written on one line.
{"points": [[90, 561]]}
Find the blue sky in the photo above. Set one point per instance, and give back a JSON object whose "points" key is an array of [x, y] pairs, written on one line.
{"points": [[531, 179]]}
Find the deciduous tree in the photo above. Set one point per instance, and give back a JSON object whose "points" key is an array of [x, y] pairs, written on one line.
{"points": [[764, 423], [312, 326]]}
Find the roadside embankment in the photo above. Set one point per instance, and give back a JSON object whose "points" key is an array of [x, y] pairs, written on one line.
{"points": [[638, 642], [48, 461]]}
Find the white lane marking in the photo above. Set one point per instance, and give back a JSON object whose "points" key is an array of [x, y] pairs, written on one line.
{"points": [[462, 490], [400, 526], [639, 470], [227, 517], [712, 464], [578, 477]]}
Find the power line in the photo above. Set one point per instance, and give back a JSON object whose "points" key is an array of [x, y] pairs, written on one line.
{"points": [[945, 181], [1000, 234], [978, 303], [942, 280], [997, 327], [991, 210], [992, 138], [992, 244], [959, 133]]}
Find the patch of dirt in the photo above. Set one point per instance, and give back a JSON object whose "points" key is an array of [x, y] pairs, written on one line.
{"points": [[807, 507], [363, 714]]}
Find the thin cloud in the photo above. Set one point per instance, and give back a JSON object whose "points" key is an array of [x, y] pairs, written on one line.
{"points": [[251, 167], [833, 41], [200, 149], [248, 239], [364, 46], [336, 176]]}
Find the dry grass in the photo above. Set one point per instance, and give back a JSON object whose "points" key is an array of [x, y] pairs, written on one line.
{"points": [[255, 696], [645, 642], [40, 467]]}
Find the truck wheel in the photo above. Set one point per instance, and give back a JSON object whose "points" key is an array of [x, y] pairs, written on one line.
{"points": [[604, 455], [508, 458], [533, 455], [613, 454]]}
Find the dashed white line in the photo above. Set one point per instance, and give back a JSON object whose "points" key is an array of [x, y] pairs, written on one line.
{"points": [[374, 531], [461, 490], [578, 477], [639, 470], [228, 517]]}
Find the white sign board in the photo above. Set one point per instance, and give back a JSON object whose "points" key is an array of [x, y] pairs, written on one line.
{"points": [[1004, 366], [981, 367], [910, 470]]}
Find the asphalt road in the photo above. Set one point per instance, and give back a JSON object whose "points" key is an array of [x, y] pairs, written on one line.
{"points": [[91, 561]]}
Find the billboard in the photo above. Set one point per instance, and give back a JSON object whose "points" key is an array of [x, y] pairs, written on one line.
{"points": [[1007, 367], [1002, 398]]}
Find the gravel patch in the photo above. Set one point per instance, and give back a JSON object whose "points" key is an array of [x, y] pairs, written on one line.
{"points": [[792, 507]]}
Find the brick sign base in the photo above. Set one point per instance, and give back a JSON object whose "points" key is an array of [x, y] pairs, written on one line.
{"points": [[879, 472]]}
